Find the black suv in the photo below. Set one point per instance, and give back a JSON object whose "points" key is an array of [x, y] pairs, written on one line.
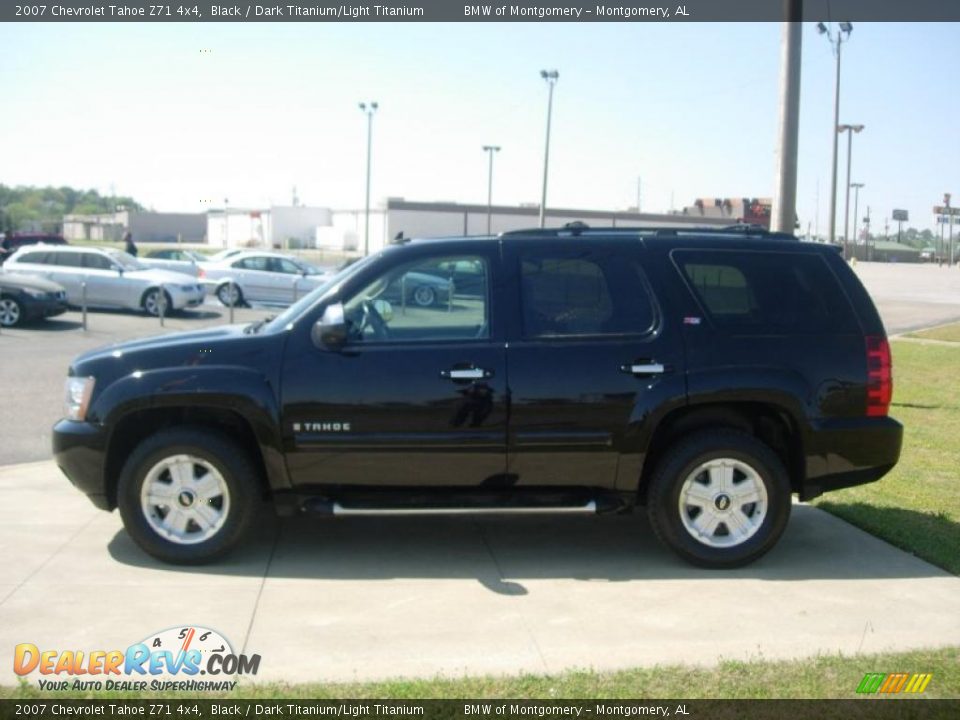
{"points": [[706, 375]]}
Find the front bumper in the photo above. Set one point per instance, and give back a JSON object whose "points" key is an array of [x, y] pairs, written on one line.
{"points": [[80, 450], [187, 298], [35, 308], [850, 451]]}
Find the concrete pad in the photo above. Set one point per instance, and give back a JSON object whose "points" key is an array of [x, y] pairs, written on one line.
{"points": [[367, 598]]}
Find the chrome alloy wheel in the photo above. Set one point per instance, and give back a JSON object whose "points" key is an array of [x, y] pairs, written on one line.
{"points": [[9, 312], [723, 503], [185, 499]]}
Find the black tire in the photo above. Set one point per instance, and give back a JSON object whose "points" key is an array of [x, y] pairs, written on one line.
{"points": [[224, 297], [681, 461], [235, 468], [424, 296], [150, 303], [11, 311]]}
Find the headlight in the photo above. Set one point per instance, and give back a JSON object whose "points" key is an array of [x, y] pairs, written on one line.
{"points": [[78, 392]]}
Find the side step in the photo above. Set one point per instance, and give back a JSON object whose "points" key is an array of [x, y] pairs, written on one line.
{"points": [[338, 509]]}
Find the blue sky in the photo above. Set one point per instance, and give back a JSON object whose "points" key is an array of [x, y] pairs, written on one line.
{"points": [[691, 108]]}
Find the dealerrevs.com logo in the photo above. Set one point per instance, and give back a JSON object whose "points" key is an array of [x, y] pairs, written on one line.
{"points": [[172, 659]]}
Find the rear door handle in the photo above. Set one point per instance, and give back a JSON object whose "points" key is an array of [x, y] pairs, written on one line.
{"points": [[646, 367], [466, 374]]}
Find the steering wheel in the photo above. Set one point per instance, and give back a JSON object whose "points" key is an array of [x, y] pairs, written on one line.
{"points": [[372, 319]]}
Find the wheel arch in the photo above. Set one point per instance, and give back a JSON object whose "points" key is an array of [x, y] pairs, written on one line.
{"points": [[771, 424]]}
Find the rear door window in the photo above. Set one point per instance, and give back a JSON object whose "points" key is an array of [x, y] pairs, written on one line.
{"points": [[67, 259], [586, 293], [759, 292]]}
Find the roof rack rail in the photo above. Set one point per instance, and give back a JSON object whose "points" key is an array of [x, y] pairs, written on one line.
{"points": [[739, 230]]}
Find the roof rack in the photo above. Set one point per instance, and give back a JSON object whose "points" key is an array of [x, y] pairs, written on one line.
{"points": [[739, 230]]}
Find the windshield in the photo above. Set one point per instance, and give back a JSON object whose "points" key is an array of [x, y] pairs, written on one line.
{"points": [[125, 260], [307, 301]]}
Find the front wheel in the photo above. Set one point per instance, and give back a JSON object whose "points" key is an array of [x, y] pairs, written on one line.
{"points": [[719, 499], [188, 495], [152, 300], [11, 312]]}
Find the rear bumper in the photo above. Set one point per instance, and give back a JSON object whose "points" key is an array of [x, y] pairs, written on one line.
{"points": [[80, 451], [850, 451]]}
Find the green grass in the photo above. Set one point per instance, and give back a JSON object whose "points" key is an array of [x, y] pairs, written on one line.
{"points": [[917, 506], [948, 333], [826, 676]]}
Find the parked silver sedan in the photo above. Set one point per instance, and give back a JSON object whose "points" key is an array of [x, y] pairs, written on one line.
{"points": [[262, 277], [106, 278]]}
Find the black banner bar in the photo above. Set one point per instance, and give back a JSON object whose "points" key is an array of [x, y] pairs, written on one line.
{"points": [[476, 11], [874, 708]]}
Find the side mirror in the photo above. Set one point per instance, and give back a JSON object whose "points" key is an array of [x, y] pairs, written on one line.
{"points": [[330, 331], [119, 269]]}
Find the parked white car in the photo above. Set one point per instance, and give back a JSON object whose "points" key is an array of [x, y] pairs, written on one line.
{"points": [[176, 259], [259, 276], [113, 278]]}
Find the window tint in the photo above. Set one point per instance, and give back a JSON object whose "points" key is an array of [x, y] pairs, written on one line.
{"points": [[767, 292], [39, 258], [253, 263], [282, 265], [590, 293], [96, 262], [416, 303], [67, 259]]}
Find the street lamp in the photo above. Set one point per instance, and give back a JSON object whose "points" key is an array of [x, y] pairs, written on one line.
{"points": [[856, 200], [490, 150], [845, 28], [369, 109], [551, 76], [850, 130]]}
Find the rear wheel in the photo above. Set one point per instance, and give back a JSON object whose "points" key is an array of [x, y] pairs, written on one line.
{"points": [[230, 294], [424, 296], [719, 498], [11, 312], [188, 495]]}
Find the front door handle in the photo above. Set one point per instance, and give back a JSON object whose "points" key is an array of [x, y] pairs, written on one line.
{"points": [[644, 367], [472, 373]]}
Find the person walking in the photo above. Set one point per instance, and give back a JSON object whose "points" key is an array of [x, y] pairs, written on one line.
{"points": [[130, 247]]}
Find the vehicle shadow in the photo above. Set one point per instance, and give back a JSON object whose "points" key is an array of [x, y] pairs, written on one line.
{"points": [[503, 552], [54, 324]]}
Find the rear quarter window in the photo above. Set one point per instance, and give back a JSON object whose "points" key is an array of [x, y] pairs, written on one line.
{"points": [[767, 292]]}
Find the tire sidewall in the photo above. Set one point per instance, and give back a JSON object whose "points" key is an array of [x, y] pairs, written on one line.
{"points": [[428, 291], [19, 306], [665, 498], [231, 466], [224, 297]]}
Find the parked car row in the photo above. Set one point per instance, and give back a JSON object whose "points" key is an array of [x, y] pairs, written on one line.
{"points": [[110, 278]]}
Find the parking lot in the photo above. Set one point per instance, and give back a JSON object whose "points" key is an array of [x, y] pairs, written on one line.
{"points": [[369, 598]]}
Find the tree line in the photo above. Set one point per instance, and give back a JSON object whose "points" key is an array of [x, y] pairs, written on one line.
{"points": [[27, 208]]}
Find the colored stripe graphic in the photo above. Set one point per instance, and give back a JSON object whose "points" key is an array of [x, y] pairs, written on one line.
{"points": [[893, 683]]}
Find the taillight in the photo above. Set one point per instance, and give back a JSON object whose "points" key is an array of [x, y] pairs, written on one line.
{"points": [[201, 273], [879, 376]]}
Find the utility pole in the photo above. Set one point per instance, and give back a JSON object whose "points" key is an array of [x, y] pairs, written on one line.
{"points": [[847, 28], [850, 130], [638, 194], [785, 197], [490, 150], [369, 110], [551, 76]]}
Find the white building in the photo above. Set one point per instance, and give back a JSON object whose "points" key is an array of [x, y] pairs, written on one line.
{"points": [[278, 227], [439, 219]]}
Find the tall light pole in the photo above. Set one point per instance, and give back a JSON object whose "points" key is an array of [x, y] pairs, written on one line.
{"points": [[638, 194], [369, 109], [847, 28], [856, 201], [551, 76], [850, 130], [490, 150]]}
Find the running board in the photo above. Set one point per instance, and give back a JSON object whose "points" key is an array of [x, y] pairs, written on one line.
{"points": [[589, 508]]}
